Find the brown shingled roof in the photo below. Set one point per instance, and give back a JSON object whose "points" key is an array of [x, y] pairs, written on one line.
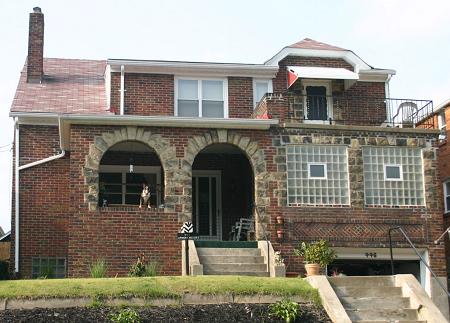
{"points": [[309, 43], [69, 86]]}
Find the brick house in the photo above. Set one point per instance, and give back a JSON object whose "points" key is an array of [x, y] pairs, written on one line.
{"points": [[440, 119], [308, 137]]}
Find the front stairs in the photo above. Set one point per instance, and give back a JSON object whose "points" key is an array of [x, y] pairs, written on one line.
{"points": [[242, 258], [374, 299]]}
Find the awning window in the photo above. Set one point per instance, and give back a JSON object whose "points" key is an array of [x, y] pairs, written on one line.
{"points": [[329, 73]]}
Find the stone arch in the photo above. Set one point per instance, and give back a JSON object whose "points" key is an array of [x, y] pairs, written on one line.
{"points": [[255, 156], [106, 140]]}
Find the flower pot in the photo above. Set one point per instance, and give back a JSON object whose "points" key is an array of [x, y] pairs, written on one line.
{"points": [[312, 269], [279, 219]]}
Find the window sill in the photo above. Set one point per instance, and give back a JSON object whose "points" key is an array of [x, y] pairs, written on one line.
{"points": [[130, 208]]}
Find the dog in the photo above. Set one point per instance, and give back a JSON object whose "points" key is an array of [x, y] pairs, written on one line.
{"points": [[145, 196]]}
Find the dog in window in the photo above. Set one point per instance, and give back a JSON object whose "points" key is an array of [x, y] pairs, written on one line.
{"points": [[145, 196]]}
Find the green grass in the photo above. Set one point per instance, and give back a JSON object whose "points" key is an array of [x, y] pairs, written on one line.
{"points": [[152, 287]]}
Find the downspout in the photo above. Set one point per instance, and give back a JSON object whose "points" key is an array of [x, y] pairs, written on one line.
{"points": [[19, 168], [387, 94], [122, 90], [16, 198]]}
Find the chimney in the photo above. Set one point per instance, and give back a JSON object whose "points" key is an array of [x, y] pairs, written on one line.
{"points": [[35, 59]]}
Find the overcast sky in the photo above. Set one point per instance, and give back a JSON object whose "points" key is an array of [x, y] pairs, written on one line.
{"points": [[411, 37]]}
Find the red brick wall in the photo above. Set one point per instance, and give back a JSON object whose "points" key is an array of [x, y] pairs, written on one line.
{"points": [[240, 97], [64, 226], [119, 236], [149, 94], [44, 198]]}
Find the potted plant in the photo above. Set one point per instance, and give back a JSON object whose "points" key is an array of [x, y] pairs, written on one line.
{"points": [[315, 255]]}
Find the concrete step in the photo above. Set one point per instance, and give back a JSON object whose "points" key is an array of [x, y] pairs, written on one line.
{"points": [[207, 259], [361, 281], [388, 315], [229, 252], [237, 267], [342, 291], [238, 273], [363, 303]]}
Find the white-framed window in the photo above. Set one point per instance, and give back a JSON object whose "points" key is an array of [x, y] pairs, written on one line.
{"points": [[318, 105], [260, 88], [317, 175], [447, 196], [393, 172], [317, 170], [441, 120], [119, 186], [204, 97], [393, 176]]}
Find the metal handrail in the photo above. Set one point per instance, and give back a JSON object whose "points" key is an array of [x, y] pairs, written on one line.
{"points": [[417, 253], [255, 207]]}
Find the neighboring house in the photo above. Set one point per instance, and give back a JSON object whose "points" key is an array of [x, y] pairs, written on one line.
{"points": [[308, 136], [441, 120], [5, 246]]}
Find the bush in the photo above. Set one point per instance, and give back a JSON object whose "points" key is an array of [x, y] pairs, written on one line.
{"points": [[143, 269], [151, 269], [98, 269], [4, 270], [316, 253], [127, 315], [285, 309]]}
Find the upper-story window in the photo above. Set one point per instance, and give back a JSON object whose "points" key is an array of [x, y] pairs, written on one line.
{"points": [[207, 98], [260, 88], [441, 120], [447, 196], [317, 101]]}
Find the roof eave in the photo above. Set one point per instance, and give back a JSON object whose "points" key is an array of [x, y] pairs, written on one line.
{"points": [[193, 68]]}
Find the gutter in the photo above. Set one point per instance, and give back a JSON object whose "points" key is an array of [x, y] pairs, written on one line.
{"points": [[17, 191], [122, 90]]}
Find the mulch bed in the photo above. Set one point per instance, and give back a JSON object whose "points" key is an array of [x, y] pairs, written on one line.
{"points": [[186, 313]]}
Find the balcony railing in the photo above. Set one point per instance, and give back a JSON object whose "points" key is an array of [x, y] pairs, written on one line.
{"points": [[348, 110]]}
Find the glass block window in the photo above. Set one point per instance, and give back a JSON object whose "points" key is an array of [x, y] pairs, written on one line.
{"points": [[393, 176], [48, 267], [317, 175]]}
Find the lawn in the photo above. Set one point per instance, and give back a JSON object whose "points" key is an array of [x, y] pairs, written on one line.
{"points": [[153, 287]]}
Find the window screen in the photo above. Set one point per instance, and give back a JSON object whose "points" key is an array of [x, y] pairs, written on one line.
{"points": [[379, 189], [330, 162]]}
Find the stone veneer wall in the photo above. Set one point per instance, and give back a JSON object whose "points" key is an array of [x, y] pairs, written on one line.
{"points": [[357, 225]]}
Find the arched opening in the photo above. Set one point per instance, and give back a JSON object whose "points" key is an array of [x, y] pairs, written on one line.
{"points": [[222, 191], [124, 170]]}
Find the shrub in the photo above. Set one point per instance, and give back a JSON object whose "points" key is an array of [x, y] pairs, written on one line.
{"points": [[127, 315], [151, 269], [138, 268], [316, 253], [4, 270], [98, 269], [143, 269], [285, 309]]}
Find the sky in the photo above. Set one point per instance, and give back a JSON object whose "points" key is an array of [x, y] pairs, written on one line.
{"points": [[409, 36]]}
